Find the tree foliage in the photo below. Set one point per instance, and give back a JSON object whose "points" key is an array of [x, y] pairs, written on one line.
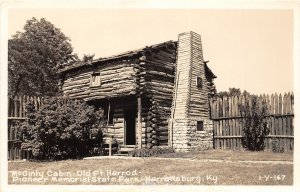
{"points": [[254, 123], [62, 129], [212, 91], [88, 58], [232, 92], [34, 57]]}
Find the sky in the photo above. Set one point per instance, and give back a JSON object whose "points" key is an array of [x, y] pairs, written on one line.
{"points": [[247, 49]]}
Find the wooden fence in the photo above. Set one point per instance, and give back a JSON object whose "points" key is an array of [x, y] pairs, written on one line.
{"points": [[227, 128], [16, 115], [224, 113]]}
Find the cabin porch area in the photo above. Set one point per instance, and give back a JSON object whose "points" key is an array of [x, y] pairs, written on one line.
{"points": [[125, 121]]}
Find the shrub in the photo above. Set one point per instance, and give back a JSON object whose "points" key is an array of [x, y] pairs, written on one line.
{"points": [[254, 124], [155, 151], [61, 129], [276, 148]]}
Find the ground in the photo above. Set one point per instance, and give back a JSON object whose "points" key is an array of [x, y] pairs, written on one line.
{"points": [[212, 167]]}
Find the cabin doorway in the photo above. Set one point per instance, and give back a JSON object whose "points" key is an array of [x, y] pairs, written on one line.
{"points": [[130, 125]]}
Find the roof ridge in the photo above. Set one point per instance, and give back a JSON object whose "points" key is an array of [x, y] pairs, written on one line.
{"points": [[116, 56]]}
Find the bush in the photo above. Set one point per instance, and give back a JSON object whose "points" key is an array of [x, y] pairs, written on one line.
{"points": [[155, 151], [61, 129], [276, 148], [254, 123]]}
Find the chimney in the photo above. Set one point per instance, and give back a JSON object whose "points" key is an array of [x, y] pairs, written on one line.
{"points": [[190, 126]]}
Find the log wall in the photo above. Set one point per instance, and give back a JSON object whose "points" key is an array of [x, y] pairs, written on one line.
{"points": [[117, 79], [159, 79], [116, 130]]}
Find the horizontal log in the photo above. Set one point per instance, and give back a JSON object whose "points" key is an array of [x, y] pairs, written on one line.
{"points": [[162, 138], [157, 83], [104, 87], [149, 77], [160, 90], [155, 65], [162, 59], [280, 136], [117, 76], [161, 129], [74, 83], [163, 133], [118, 80], [269, 136], [78, 76], [115, 66], [119, 70], [67, 87], [156, 73]]}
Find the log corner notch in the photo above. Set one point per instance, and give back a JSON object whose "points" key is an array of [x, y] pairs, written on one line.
{"points": [[140, 82], [139, 112]]}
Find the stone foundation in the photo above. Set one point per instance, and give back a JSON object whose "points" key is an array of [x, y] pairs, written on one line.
{"points": [[187, 138]]}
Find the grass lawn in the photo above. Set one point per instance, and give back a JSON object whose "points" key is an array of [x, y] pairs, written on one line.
{"points": [[233, 155], [150, 171]]}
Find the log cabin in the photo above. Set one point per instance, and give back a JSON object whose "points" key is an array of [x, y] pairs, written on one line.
{"points": [[154, 96]]}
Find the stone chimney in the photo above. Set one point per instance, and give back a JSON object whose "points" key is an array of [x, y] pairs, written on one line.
{"points": [[190, 126]]}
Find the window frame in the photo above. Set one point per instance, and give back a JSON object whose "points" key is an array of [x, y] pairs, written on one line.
{"points": [[197, 128], [199, 82], [94, 83], [111, 114]]}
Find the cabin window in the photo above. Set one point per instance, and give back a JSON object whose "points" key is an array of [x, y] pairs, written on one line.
{"points": [[199, 82], [95, 80], [200, 126]]}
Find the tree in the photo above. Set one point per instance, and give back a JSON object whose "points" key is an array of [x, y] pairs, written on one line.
{"points": [[254, 123], [212, 91], [232, 92], [34, 57], [62, 128]]}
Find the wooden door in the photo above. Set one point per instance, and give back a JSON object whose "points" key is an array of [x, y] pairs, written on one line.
{"points": [[130, 126]]}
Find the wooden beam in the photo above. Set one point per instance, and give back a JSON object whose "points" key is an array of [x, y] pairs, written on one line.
{"points": [[110, 148], [108, 112], [139, 112]]}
